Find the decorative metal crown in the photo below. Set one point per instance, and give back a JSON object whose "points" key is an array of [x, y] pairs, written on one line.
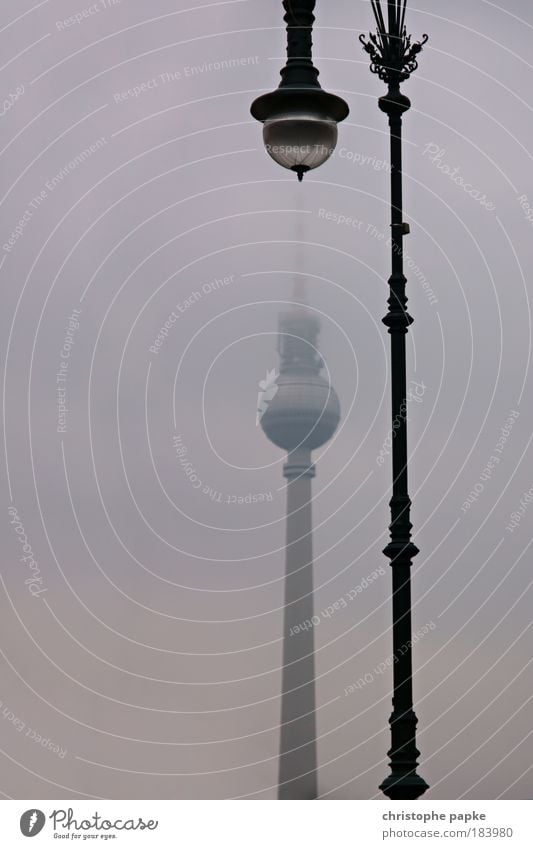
{"points": [[392, 52]]}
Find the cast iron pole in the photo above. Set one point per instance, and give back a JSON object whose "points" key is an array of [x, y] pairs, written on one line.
{"points": [[393, 59]]}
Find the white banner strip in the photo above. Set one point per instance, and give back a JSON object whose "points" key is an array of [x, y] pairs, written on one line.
{"points": [[267, 824]]}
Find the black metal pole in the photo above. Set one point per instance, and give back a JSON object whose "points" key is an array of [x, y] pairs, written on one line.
{"points": [[403, 782], [393, 59], [299, 19]]}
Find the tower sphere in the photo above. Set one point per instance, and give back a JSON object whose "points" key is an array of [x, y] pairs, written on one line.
{"points": [[305, 411]]}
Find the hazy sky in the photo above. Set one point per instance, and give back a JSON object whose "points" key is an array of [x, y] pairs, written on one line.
{"points": [[144, 659]]}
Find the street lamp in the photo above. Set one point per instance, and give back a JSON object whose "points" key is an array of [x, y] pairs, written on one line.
{"points": [[299, 118], [393, 58]]}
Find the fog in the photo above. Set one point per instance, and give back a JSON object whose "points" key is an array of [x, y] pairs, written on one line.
{"points": [[141, 640]]}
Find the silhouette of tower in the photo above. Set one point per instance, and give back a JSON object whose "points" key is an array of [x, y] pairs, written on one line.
{"points": [[302, 416]]}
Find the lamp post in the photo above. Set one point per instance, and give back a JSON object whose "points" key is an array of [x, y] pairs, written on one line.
{"points": [[393, 58]]}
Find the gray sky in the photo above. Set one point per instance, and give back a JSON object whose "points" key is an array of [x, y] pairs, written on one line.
{"points": [[150, 654]]}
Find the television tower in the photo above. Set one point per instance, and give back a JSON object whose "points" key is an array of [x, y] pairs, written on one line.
{"points": [[302, 416]]}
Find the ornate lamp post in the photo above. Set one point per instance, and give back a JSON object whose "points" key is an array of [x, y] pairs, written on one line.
{"points": [[393, 58]]}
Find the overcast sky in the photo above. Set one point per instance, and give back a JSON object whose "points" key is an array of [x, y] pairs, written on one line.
{"points": [[144, 659]]}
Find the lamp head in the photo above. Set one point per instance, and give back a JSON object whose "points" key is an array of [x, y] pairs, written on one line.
{"points": [[299, 118], [299, 126]]}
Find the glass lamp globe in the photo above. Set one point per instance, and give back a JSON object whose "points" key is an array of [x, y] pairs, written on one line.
{"points": [[299, 125], [300, 142]]}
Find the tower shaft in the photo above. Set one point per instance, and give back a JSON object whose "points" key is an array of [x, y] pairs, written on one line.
{"points": [[298, 759], [302, 416]]}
